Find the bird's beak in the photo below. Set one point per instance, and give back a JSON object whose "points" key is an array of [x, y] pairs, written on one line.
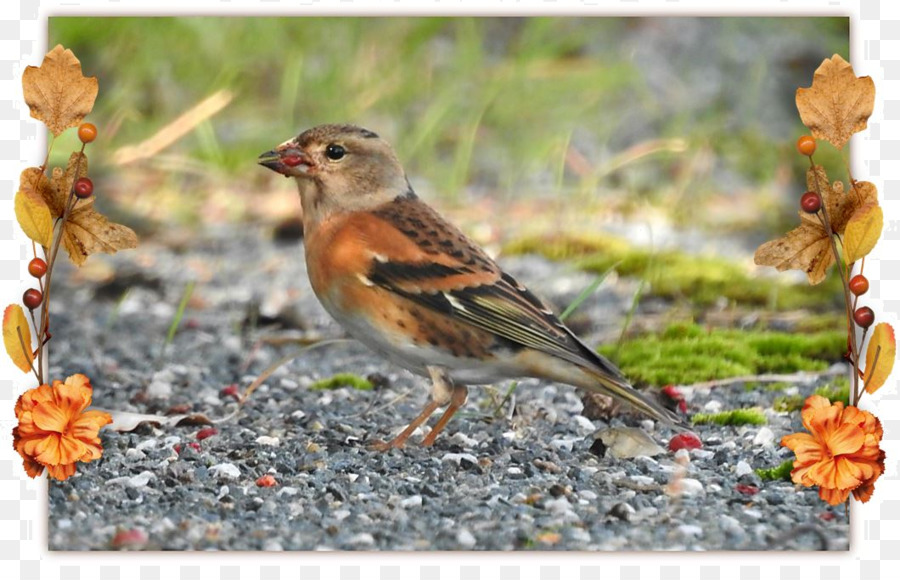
{"points": [[286, 160]]}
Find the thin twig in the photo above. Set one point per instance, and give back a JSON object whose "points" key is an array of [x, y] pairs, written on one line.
{"points": [[45, 304], [800, 377], [854, 349]]}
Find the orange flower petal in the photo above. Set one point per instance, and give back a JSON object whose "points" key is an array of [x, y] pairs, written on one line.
{"points": [[834, 496], [45, 450], [804, 445], [824, 474], [848, 474], [811, 406], [74, 395], [49, 417], [61, 472], [71, 449], [846, 439], [32, 397], [89, 423], [32, 467]]}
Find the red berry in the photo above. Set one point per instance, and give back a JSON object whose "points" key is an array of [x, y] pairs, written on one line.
{"points": [[859, 285], [206, 432], [746, 489], [806, 145], [864, 316], [266, 481], [87, 132], [32, 298], [37, 267], [810, 202], [84, 187], [686, 440]]}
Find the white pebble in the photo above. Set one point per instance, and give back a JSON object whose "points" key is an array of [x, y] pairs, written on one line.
{"points": [[752, 513], [691, 487], [701, 454], [648, 424], [587, 494], [413, 501], [266, 440], [690, 532], [466, 539], [289, 384], [583, 425], [743, 468], [765, 437], [642, 479], [463, 440], [458, 457], [225, 471], [713, 406], [148, 444], [514, 471], [134, 455], [683, 455], [288, 490], [223, 491], [363, 539]]}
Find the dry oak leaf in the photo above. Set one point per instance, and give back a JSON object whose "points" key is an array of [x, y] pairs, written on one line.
{"points": [[807, 246], [86, 231], [838, 103], [57, 93], [877, 372], [14, 322]]}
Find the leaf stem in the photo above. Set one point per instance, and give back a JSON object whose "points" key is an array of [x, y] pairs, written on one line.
{"points": [[27, 351], [871, 370], [45, 305], [854, 349]]}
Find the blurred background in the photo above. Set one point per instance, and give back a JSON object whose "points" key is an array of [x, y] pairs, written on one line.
{"points": [[660, 148]]}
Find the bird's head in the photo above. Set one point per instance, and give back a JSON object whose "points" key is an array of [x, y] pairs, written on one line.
{"points": [[339, 168]]}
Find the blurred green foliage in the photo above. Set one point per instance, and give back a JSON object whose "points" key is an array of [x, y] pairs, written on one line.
{"points": [[492, 104]]}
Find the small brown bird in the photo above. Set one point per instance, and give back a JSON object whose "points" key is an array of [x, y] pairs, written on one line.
{"points": [[411, 286]]}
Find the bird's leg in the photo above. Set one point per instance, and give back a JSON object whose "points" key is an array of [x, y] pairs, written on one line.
{"points": [[442, 391], [457, 400]]}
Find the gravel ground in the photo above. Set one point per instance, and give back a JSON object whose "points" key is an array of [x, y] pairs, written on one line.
{"points": [[532, 478]]}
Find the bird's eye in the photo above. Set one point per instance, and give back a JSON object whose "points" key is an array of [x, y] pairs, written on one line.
{"points": [[335, 152]]}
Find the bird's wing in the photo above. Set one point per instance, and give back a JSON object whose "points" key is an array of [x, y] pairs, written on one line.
{"points": [[445, 272]]}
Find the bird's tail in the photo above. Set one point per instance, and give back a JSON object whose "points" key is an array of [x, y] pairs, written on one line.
{"points": [[607, 380]]}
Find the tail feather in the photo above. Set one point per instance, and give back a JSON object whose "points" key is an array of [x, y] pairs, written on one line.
{"points": [[605, 379]]}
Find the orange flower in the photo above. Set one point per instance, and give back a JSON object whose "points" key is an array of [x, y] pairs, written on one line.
{"points": [[840, 453], [54, 429]]}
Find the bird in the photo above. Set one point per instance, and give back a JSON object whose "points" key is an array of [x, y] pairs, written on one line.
{"points": [[411, 286]]}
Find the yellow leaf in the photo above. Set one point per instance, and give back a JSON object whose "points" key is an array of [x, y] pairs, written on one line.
{"points": [[14, 322], [57, 93], [863, 231], [877, 372], [838, 103], [34, 217]]}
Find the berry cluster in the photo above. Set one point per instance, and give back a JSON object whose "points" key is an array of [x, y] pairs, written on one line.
{"points": [[811, 203], [83, 188]]}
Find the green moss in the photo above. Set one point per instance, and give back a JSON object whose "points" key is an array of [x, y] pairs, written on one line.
{"points": [[782, 471], [687, 353], [839, 390], [732, 417], [342, 380], [673, 274], [788, 403]]}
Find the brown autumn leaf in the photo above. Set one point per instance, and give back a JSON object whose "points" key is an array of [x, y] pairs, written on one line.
{"points": [[807, 246], [14, 321], [878, 372], [57, 92], [87, 231], [838, 104]]}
